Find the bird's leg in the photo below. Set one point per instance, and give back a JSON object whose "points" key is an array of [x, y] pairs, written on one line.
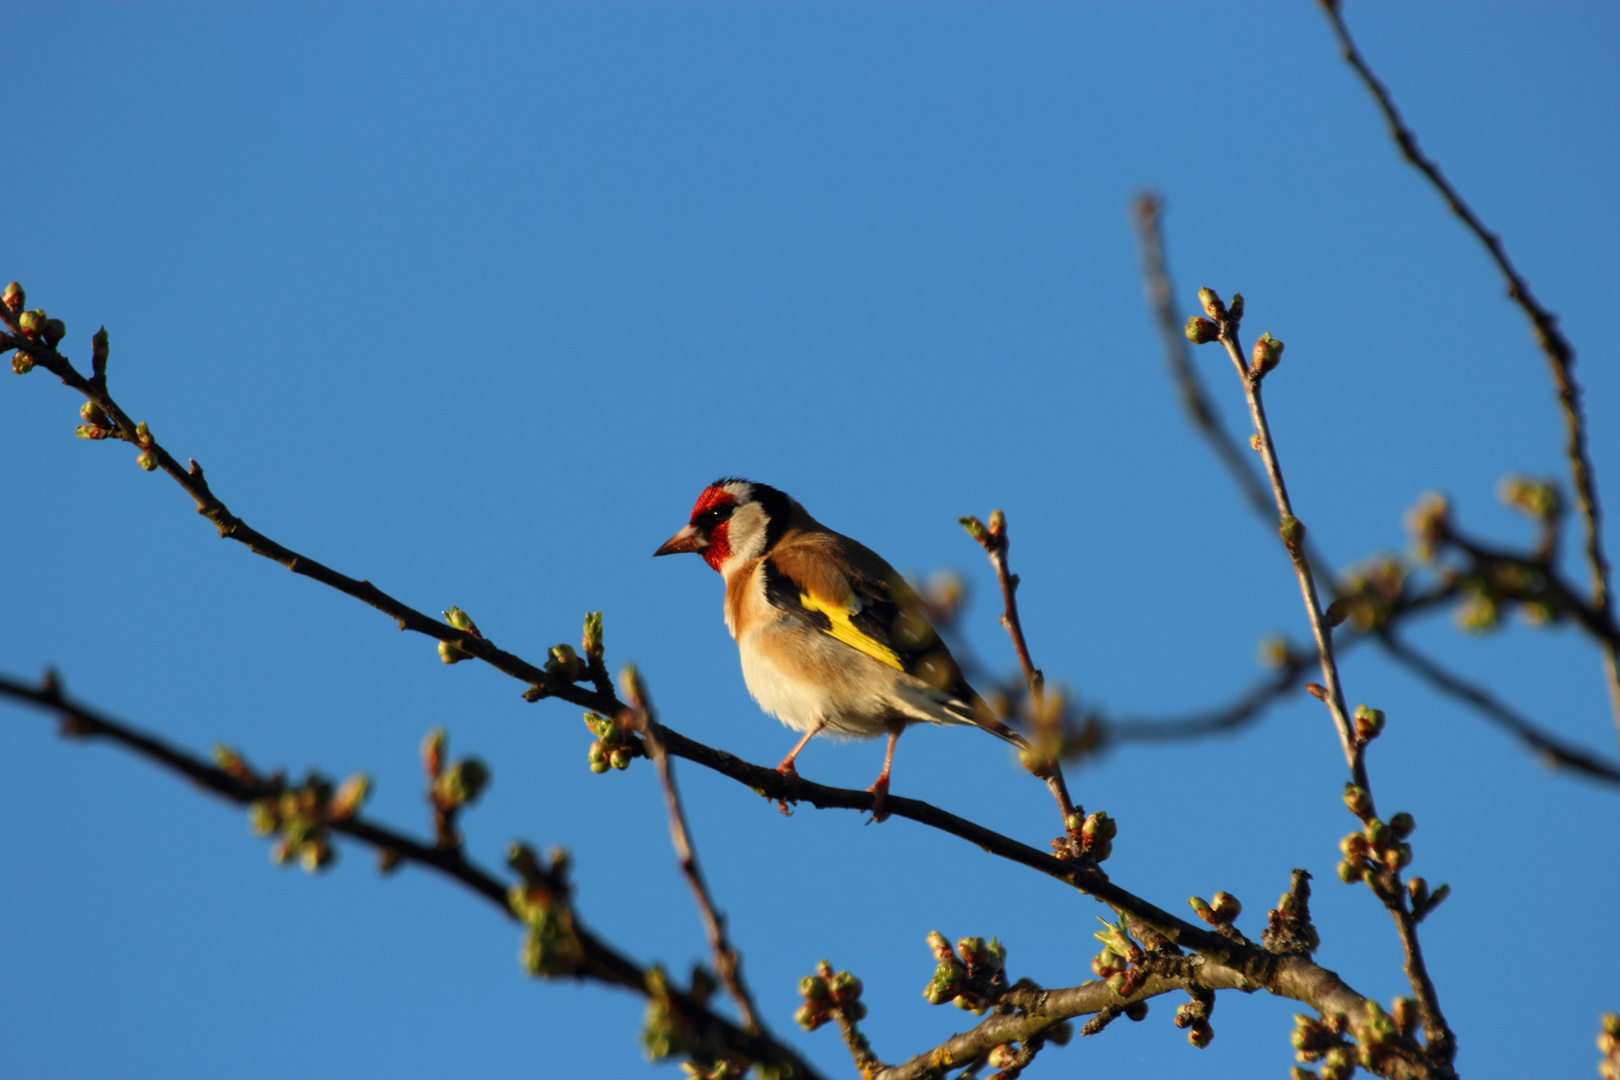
{"points": [[786, 768], [880, 786]]}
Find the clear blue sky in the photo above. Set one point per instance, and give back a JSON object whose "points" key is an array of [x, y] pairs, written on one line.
{"points": [[471, 301]]}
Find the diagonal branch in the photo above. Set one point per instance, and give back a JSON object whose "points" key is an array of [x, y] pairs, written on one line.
{"points": [[727, 961], [598, 960], [1544, 325]]}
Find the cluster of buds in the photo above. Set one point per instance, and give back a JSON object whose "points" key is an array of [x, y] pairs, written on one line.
{"points": [[1091, 835], [449, 652], [299, 817], [1120, 962], [1537, 500], [614, 746], [1367, 724], [828, 996], [1221, 912], [97, 424], [1193, 1018], [452, 786], [1424, 901], [972, 976], [1608, 1044], [14, 297], [991, 537], [663, 1031], [1369, 594], [1289, 930], [539, 898], [1323, 1041], [143, 439], [1429, 523]]}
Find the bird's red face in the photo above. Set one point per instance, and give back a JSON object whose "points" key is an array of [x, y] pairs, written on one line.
{"points": [[709, 531]]}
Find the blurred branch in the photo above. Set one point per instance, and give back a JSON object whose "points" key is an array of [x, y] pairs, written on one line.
{"points": [[1544, 325], [596, 960], [1549, 747], [727, 961], [1147, 216]]}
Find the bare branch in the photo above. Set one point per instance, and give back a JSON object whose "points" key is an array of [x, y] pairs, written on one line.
{"points": [[1544, 325], [727, 961]]}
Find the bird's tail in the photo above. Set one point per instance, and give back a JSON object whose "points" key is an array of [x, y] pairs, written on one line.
{"points": [[977, 712]]}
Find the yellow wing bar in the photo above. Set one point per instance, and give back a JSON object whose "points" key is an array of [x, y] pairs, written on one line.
{"points": [[842, 629]]}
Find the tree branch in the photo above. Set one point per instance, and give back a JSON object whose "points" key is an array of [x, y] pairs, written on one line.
{"points": [[597, 960], [1544, 325]]}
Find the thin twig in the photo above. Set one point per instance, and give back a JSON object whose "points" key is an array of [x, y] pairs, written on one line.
{"points": [[600, 961], [1440, 1041], [727, 961], [1544, 325]]}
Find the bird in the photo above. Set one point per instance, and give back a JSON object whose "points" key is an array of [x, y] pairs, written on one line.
{"points": [[832, 639]]}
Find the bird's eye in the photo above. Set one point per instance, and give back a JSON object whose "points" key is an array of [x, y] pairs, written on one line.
{"points": [[715, 515]]}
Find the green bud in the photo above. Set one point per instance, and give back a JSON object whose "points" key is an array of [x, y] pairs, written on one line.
{"points": [[1369, 723], [998, 524], [1354, 846], [1611, 1024], [449, 654], [620, 758], [1200, 1034], [1351, 872], [1357, 800], [458, 619], [813, 988], [147, 460], [1402, 825], [1235, 309], [975, 528], [598, 757], [845, 988], [314, 854], [1201, 331], [21, 363], [1226, 907], [564, 663], [14, 297], [91, 413], [262, 818], [143, 435], [1377, 834], [590, 642], [1116, 982], [32, 322], [1292, 531], [1266, 356], [463, 782], [350, 797], [1211, 303], [809, 1017], [1201, 908], [1099, 828], [53, 331]]}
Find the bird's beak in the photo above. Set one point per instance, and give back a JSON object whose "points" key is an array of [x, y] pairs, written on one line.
{"points": [[688, 539]]}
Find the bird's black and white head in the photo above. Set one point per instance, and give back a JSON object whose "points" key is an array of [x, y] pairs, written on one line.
{"points": [[734, 521]]}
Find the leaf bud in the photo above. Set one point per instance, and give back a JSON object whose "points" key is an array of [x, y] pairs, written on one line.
{"points": [[1002, 1057], [100, 349], [632, 686], [620, 758], [1369, 723], [1351, 871], [1211, 303], [1418, 890], [1357, 800], [1201, 908], [941, 947], [1401, 825], [14, 297], [314, 854], [147, 460], [1116, 982], [975, 528], [1404, 1011], [809, 1017], [1225, 907], [1292, 531], [813, 988], [1535, 499], [21, 363], [1267, 354], [1398, 856], [433, 747], [590, 642], [1235, 308], [53, 331], [1354, 846], [598, 757], [1201, 331], [351, 795], [449, 654], [31, 322], [262, 817], [463, 782], [1377, 834], [91, 413], [143, 436], [1200, 1034], [1098, 828], [845, 988]]}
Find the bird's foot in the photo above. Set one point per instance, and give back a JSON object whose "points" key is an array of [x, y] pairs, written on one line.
{"points": [[787, 768], [880, 794]]}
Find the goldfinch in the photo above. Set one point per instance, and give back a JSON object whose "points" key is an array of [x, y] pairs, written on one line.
{"points": [[832, 639]]}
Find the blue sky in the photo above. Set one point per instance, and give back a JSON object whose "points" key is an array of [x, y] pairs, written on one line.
{"points": [[471, 301]]}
